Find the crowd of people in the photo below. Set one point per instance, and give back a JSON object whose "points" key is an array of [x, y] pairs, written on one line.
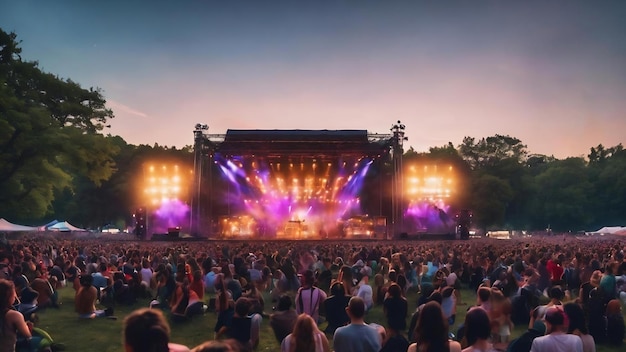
{"points": [[316, 296]]}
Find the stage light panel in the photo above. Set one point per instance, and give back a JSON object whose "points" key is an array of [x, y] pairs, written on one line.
{"points": [[429, 182]]}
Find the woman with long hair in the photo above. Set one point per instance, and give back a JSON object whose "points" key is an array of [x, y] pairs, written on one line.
{"points": [[335, 306], [395, 308], [224, 306], [478, 331], [431, 331], [578, 325], [12, 322], [306, 337]]}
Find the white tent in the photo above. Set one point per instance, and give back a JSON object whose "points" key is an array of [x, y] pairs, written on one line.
{"points": [[609, 230], [64, 226], [10, 227]]}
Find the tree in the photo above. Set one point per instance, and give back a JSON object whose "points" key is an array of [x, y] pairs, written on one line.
{"points": [[491, 150], [607, 167], [29, 170], [490, 196], [48, 135], [563, 196], [502, 157]]}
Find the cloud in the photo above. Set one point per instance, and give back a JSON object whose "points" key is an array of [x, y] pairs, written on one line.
{"points": [[119, 107]]}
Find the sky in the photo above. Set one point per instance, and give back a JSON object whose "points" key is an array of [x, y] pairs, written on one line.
{"points": [[550, 73]]}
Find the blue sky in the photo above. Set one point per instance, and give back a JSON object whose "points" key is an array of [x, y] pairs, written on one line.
{"points": [[551, 73]]}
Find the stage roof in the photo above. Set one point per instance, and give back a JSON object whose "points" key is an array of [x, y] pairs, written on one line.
{"points": [[309, 143]]}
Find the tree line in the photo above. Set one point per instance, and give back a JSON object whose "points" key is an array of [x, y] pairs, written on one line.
{"points": [[56, 161]]}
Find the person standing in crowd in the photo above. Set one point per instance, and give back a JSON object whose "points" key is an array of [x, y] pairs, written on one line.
{"points": [[556, 340], [146, 330], [357, 336], [306, 337], [431, 331]]}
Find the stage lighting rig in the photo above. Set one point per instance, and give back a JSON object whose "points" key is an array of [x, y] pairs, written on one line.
{"points": [[398, 132], [202, 127]]}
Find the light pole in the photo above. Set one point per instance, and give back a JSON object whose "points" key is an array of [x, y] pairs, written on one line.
{"points": [[198, 167], [397, 219]]}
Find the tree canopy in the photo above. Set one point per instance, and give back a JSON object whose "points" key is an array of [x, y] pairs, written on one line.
{"points": [[48, 134]]}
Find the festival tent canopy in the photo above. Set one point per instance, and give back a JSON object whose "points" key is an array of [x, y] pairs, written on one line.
{"points": [[610, 230], [64, 226], [45, 227], [9, 227], [621, 232]]}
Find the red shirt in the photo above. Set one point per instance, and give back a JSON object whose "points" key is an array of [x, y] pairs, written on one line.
{"points": [[555, 270]]}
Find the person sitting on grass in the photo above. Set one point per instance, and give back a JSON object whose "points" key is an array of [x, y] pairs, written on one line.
{"points": [[245, 328], [12, 322], [48, 296], [305, 337], [85, 300], [477, 331], [431, 331], [146, 330], [284, 318], [357, 336], [309, 298], [224, 306], [335, 305], [185, 302]]}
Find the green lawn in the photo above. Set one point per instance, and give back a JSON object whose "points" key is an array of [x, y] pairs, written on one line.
{"points": [[106, 335]]}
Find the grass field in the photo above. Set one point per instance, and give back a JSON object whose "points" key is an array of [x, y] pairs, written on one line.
{"points": [[106, 335]]}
